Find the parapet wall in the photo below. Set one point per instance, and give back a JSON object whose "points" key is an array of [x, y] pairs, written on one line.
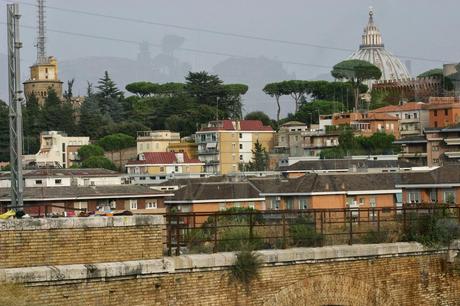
{"points": [[380, 274], [61, 241]]}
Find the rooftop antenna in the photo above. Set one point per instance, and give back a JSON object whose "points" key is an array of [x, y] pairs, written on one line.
{"points": [[15, 106], [41, 35]]}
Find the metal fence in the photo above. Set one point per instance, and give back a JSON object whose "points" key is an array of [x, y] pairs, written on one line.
{"points": [[206, 232]]}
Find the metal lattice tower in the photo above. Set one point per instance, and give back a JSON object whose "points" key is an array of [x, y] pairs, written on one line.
{"points": [[41, 35], [15, 106]]}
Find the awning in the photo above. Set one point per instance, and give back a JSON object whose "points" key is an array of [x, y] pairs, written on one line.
{"points": [[211, 145]]}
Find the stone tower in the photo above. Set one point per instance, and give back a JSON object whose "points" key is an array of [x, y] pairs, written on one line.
{"points": [[44, 73]]}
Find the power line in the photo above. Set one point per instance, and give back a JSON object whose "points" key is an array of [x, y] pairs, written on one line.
{"points": [[221, 33], [100, 37]]}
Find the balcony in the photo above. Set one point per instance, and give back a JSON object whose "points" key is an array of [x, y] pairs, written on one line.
{"points": [[208, 152], [409, 120], [409, 132], [452, 141], [412, 154], [454, 154]]}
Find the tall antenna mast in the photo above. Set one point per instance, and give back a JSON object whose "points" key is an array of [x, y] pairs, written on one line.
{"points": [[15, 106], [41, 35]]}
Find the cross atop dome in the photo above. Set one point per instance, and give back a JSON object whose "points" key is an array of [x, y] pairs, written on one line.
{"points": [[371, 37]]}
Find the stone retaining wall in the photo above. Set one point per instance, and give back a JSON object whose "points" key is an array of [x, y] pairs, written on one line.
{"points": [[60, 241], [380, 274]]}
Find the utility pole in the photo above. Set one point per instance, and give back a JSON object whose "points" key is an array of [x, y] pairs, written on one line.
{"points": [[15, 106]]}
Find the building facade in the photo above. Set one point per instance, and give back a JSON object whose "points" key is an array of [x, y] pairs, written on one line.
{"points": [[156, 141], [443, 111], [226, 144], [366, 124], [43, 77], [413, 117], [57, 150]]}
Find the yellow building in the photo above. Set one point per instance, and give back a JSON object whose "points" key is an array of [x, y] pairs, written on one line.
{"points": [[225, 144], [156, 141], [43, 77], [164, 163], [190, 148]]}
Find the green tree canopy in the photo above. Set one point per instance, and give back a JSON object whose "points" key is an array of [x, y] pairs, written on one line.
{"points": [[309, 112], [143, 89], [259, 115], [232, 96], [90, 150], [356, 71], [275, 90], [116, 142], [98, 162], [296, 89], [204, 86], [259, 160]]}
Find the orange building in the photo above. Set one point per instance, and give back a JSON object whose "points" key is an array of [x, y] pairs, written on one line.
{"points": [[366, 124], [444, 111]]}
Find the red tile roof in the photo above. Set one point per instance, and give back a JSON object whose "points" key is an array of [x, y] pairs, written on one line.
{"points": [[244, 125], [377, 116], [163, 158], [398, 108]]}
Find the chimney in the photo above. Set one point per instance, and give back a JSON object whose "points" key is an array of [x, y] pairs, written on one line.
{"points": [[180, 157]]}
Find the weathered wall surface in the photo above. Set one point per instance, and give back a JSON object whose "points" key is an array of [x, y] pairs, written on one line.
{"points": [[40, 242], [383, 274]]}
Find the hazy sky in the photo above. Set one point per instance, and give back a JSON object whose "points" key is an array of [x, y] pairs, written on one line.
{"points": [[413, 28]]}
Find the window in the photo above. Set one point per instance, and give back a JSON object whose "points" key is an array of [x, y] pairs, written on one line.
{"points": [[162, 169], [233, 156], [113, 204], [387, 126], [233, 135], [63, 147], [241, 157], [303, 203], [80, 205], [251, 205], [275, 204], [361, 201], [38, 182], [176, 168], [415, 115], [434, 148], [449, 196], [435, 124], [446, 112], [372, 202], [142, 178], [241, 146], [222, 206], [433, 196], [133, 204], [289, 203], [241, 135], [435, 113], [233, 146], [237, 204], [436, 161], [413, 196], [151, 204]]}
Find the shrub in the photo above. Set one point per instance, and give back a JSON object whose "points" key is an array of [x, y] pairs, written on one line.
{"points": [[246, 267], [375, 237], [237, 239], [197, 241], [303, 233]]}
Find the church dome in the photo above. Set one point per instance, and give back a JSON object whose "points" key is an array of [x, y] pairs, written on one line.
{"points": [[372, 50]]}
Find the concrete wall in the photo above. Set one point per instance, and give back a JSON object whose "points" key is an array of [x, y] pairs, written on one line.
{"points": [[39, 242], [382, 274]]}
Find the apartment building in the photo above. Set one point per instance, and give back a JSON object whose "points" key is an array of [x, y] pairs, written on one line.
{"points": [[156, 167], [443, 111], [57, 150], [365, 124], [156, 141], [225, 144], [413, 117]]}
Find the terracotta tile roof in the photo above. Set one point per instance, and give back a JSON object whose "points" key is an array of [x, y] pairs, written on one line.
{"points": [[81, 192], [65, 172], [334, 164], [378, 116], [399, 108], [245, 125], [163, 158], [216, 191]]}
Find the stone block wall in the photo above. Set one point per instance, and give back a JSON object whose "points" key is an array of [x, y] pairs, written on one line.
{"points": [[61, 241], [381, 274]]}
